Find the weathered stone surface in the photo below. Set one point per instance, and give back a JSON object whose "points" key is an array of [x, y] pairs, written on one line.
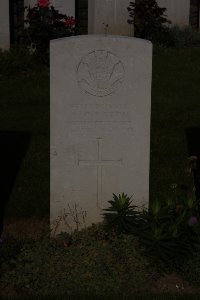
{"points": [[100, 124], [4, 25], [177, 12], [109, 17]]}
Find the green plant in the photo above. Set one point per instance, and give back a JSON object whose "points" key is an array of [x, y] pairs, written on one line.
{"points": [[164, 232], [166, 235], [72, 219], [121, 215], [18, 61], [185, 37], [54, 266], [149, 21], [172, 229], [44, 23], [190, 270]]}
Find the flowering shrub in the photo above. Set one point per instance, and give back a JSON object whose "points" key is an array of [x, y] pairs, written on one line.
{"points": [[43, 3], [193, 221], [44, 23], [168, 230]]}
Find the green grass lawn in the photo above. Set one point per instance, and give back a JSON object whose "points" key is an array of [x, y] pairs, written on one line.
{"points": [[24, 99], [175, 106], [41, 267]]}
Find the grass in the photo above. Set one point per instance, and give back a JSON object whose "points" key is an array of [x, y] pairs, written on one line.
{"points": [[76, 267], [100, 258], [38, 266], [24, 98], [133, 297], [175, 106]]}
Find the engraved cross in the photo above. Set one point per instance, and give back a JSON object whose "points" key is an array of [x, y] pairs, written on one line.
{"points": [[99, 163]]}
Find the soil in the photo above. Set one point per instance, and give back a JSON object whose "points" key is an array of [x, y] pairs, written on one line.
{"points": [[174, 284], [26, 228], [36, 228]]}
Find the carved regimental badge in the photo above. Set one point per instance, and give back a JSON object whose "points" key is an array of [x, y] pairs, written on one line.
{"points": [[100, 73]]}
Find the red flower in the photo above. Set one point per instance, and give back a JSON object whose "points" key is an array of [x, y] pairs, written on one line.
{"points": [[43, 3], [69, 22]]}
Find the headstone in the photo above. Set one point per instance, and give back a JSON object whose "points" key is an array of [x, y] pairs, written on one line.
{"points": [[195, 14], [109, 17], [100, 125], [4, 25], [65, 7], [178, 11]]}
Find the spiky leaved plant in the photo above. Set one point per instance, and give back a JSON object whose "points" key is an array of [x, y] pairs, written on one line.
{"points": [[121, 216]]}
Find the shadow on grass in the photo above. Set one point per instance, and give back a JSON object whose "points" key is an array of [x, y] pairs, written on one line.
{"points": [[13, 147]]}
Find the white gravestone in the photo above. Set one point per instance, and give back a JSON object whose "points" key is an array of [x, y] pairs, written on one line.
{"points": [[109, 17], [4, 25], [100, 125], [178, 11]]}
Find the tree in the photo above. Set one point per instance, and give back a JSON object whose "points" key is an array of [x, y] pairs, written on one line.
{"points": [[148, 19]]}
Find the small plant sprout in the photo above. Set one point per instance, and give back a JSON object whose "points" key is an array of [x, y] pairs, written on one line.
{"points": [[72, 220], [121, 215], [106, 26]]}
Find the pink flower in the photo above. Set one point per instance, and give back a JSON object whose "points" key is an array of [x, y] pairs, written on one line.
{"points": [[43, 3], [193, 221]]}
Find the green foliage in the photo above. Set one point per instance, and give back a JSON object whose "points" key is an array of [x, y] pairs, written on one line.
{"points": [[9, 250], [121, 215], [185, 37], [18, 61], [190, 270], [55, 266], [24, 98], [168, 231], [165, 233], [44, 24], [25, 105], [149, 21]]}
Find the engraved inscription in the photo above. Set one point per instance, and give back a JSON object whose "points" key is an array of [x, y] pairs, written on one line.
{"points": [[99, 163], [98, 116], [100, 73]]}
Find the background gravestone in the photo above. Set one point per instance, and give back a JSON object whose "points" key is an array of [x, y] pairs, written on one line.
{"points": [[178, 11], [100, 125], [113, 13], [4, 25]]}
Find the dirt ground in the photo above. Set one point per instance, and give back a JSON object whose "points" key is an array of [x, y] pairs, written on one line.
{"points": [[26, 228], [174, 284], [36, 228]]}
